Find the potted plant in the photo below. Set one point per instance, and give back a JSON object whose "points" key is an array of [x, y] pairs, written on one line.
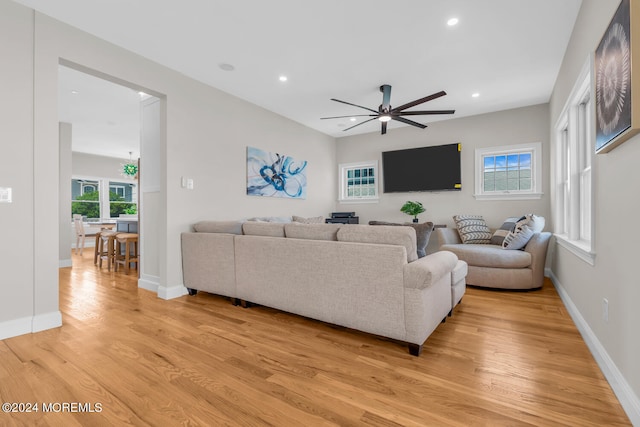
{"points": [[413, 209]]}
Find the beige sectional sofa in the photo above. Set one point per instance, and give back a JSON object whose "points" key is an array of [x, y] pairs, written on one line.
{"points": [[358, 276], [491, 266]]}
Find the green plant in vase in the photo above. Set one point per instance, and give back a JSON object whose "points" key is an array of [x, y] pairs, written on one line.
{"points": [[413, 209]]}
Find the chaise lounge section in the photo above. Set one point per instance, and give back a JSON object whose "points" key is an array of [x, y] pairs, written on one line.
{"points": [[491, 266]]}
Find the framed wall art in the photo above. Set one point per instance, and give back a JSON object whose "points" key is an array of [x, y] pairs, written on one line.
{"points": [[275, 175], [617, 65]]}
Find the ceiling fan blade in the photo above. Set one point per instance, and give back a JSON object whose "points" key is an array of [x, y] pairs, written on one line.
{"points": [[418, 113], [409, 122], [361, 123], [384, 128], [420, 101], [386, 97], [353, 115], [355, 105]]}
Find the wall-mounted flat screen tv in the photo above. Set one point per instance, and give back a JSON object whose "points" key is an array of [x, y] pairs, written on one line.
{"points": [[434, 168]]}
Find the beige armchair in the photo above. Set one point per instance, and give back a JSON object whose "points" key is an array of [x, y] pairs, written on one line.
{"points": [[491, 266]]}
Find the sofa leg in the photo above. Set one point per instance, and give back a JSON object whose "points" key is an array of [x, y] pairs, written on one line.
{"points": [[444, 319], [415, 349], [245, 304], [192, 291], [450, 313], [235, 301]]}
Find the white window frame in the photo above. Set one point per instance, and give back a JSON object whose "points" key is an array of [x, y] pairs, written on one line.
{"points": [[573, 170], [343, 196], [118, 189], [104, 186], [535, 148]]}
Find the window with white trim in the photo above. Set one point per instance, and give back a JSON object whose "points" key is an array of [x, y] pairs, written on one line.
{"points": [[574, 145], [509, 172], [359, 182], [99, 198]]}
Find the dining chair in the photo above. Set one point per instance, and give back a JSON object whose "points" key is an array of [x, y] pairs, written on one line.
{"points": [[80, 236]]}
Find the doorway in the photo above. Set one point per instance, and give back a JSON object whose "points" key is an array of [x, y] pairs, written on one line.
{"points": [[101, 128]]}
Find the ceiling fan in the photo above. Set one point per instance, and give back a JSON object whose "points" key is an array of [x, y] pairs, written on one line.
{"points": [[385, 113]]}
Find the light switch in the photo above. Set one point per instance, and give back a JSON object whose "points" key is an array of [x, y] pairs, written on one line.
{"points": [[5, 195], [183, 182], [189, 184]]}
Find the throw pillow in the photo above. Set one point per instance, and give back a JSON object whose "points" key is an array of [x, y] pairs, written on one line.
{"points": [[423, 233], [312, 220], [507, 226], [472, 229], [523, 231]]}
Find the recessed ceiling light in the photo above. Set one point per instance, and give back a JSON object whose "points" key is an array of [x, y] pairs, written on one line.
{"points": [[353, 119], [451, 22], [142, 94], [74, 92], [227, 67], [283, 78], [475, 95]]}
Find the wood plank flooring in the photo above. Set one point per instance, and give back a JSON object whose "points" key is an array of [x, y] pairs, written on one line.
{"points": [[503, 359]]}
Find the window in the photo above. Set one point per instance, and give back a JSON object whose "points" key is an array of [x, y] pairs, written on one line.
{"points": [[359, 182], [508, 172], [573, 209], [100, 198], [85, 198], [122, 198]]}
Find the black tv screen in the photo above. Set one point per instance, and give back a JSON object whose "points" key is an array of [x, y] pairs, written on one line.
{"points": [[422, 169]]}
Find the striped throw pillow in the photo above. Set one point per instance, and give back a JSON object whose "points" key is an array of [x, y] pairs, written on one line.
{"points": [[507, 226]]}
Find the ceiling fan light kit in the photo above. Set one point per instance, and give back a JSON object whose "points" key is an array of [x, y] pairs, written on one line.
{"points": [[385, 113]]}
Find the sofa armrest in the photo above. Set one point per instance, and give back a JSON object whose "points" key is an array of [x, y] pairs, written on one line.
{"points": [[421, 273], [537, 247], [448, 236]]}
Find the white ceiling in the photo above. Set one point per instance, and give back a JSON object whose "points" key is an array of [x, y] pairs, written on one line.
{"points": [[508, 51]]}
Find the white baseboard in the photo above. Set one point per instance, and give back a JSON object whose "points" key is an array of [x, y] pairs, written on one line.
{"points": [[15, 327], [65, 263], [166, 292], [625, 394], [42, 322], [150, 283], [26, 325]]}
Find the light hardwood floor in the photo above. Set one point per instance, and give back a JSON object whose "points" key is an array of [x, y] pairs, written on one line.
{"points": [[504, 358]]}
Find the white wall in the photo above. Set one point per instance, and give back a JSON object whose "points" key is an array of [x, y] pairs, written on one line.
{"points": [[67, 231], [614, 276], [16, 171], [522, 125], [90, 165], [206, 135]]}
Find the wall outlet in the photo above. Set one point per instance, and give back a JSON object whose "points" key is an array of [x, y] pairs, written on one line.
{"points": [[605, 309]]}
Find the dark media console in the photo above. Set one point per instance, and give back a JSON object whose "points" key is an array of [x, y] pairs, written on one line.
{"points": [[343, 218]]}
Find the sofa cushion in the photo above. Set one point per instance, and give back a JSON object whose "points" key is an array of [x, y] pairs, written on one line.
{"points": [[523, 231], [230, 227], [472, 229], [297, 230], [258, 228], [312, 220], [483, 255], [384, 234], [423, 233], [459, 272], [507, 226], [279, 219]]}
